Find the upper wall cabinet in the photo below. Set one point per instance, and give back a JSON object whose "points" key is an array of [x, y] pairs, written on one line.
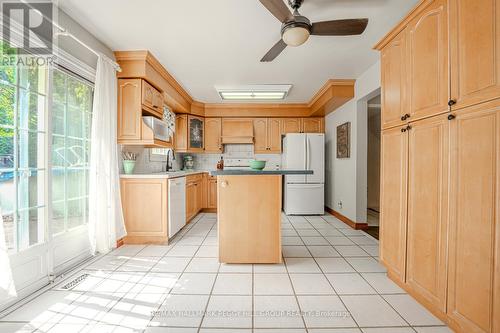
{"points": [[267, 135], [136, 98], [312, 125], [302, 125], [213, 133], [189, 133], [427, 61], [291, 125], [475, 51], [393, 63]]}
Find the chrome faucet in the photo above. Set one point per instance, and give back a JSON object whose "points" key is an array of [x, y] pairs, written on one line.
{"points": [[168, 167]]}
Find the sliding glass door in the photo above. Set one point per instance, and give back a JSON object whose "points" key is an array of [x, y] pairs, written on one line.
{"points": [[45, 117]]}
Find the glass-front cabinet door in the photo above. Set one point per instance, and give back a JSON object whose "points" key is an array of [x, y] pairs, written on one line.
{"points": [[196, 133]]}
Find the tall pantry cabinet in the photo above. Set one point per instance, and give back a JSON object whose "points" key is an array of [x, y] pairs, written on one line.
{"points": [[440, 163]]}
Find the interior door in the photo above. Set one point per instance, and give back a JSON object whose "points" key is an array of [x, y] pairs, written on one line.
{"points": [[315, 159], [428, 156], [474, 276], [393, 186]]}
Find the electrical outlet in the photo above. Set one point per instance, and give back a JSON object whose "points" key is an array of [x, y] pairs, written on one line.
{"points": [[339, 204]]}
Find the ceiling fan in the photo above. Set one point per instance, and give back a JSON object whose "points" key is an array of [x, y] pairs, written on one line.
{"points": [[296, 29]]}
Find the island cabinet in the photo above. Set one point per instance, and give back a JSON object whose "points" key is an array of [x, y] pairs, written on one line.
{"points": [[440, 162], [267, 136], [145, 210]]}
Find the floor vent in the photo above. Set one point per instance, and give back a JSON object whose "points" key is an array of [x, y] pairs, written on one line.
{"points": [[73, 283]]}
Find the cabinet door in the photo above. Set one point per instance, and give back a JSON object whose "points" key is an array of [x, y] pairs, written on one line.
{"points": [[129, 110], [312, 125], [291, 125], [428, 157], [474, 253], [196, 133], [274, 135], [190, 201], [212, 193], [393, 178], [393, 81], [181, 133], [213, 127], [475, 51], [158, 102], [148, 94], [198, 186], [260, 136], [428, 78]]}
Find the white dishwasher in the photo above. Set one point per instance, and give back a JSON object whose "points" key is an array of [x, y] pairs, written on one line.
{"points": [[176, 205]]}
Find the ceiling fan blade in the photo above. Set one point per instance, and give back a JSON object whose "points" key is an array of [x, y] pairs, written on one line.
{"points": [[339, 27], [278, 9], [274, 51]]}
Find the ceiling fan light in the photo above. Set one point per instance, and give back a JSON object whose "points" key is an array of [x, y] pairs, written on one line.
{"points": [[295, 36]]}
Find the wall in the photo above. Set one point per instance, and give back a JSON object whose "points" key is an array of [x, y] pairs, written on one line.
{"points": [[346, 179]]}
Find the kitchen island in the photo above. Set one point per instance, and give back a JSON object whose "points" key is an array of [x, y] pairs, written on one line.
{"points": [[249, 214]]}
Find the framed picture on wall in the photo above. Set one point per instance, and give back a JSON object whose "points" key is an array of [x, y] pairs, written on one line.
{"points": [[344, 140]]}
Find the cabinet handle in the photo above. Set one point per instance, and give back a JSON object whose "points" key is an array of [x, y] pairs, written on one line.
{"points": [[451, 116], [452, 102], [405, 116], [408, 127], [403, 130]]}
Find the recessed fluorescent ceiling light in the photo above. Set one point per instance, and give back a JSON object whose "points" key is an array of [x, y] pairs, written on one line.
{"points": [[254, 92]]}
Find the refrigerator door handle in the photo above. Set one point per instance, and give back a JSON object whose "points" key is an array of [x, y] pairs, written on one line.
{"points": [[305, 153]]}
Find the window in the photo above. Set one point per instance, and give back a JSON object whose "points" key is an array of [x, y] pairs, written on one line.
{"points": [[22, 154], [71, 124], [43, 150]]}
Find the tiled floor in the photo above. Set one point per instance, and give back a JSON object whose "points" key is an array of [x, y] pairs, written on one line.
{"points": [[330, 282]]}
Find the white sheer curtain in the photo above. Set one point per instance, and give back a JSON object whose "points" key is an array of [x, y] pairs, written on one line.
{"points": [[105, 211], [7, 287]]}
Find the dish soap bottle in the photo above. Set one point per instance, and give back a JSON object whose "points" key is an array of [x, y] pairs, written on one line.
{"points": [[220, 164]]}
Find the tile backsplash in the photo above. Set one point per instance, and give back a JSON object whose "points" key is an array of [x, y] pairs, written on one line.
{"points": [[147, 162]]}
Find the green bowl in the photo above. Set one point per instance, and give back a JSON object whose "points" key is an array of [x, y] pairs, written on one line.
{"points": [[257, 165]]}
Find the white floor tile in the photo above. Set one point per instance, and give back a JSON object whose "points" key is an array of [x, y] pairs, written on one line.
{"points": [[320, 240], [289, 233], [171, 264], [382, 284], [291, 241], [442, 329], [311, 284], [350, 284], [171, 330], [190, 240], [366, 265], [339, 240], [233, 284], [372, 311], [334, 265], [350, 251], [225, 330], [411, 311], [279, 330], [119, 282], [93, 279], [182, 251], [16, 328], [276, 312], [203, 265], [194, 283], [138, 264], [189, 309], [330, 232], [301, 265], [308, 233], [388, 330], [335, 314], [210, 241], [156, 283], [352, 232], [334, 330], [322, 251], [208, 251], [363, 240], [372, 250], [272, 284], [235, 268], [127, 250], [154, 251], [269, 268], [108, 263], [295, 251], [237, 310]]}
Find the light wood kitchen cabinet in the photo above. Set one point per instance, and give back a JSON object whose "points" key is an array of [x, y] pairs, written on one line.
{"points": [[145, 210], [212, 193], [291, 125], [393, 81], [267, 135], [152, 99], [189, 133], [428, 157], [312, 125], [131, 130], [393, 200], [213, 134], [475, 51], [194, 195], [427, 61], [237, 130], [474, 251]]}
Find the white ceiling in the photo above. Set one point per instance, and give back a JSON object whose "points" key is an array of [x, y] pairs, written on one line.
{"points": [[207, 43]]}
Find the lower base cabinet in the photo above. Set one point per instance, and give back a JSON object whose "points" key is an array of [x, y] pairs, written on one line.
{"points": [[144, 206], [440, 203], [212, 193]]}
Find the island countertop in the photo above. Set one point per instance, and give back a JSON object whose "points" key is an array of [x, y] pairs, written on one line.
{"points": [[244, 172]]}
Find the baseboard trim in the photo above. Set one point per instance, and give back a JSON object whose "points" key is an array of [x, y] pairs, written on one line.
{"points": [[119, 242], [346, 220], [209, 210]]}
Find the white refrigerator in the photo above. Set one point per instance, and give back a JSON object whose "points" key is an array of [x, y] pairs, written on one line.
{"points": [[304, 194]]}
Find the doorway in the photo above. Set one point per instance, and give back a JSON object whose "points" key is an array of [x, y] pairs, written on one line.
{"points": [[373, 166]]}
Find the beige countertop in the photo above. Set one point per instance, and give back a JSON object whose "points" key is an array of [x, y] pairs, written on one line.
{"points": [[170, 174]]}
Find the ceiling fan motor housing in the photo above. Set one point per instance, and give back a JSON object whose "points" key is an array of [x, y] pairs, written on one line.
{"points": [[298, 21]]}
